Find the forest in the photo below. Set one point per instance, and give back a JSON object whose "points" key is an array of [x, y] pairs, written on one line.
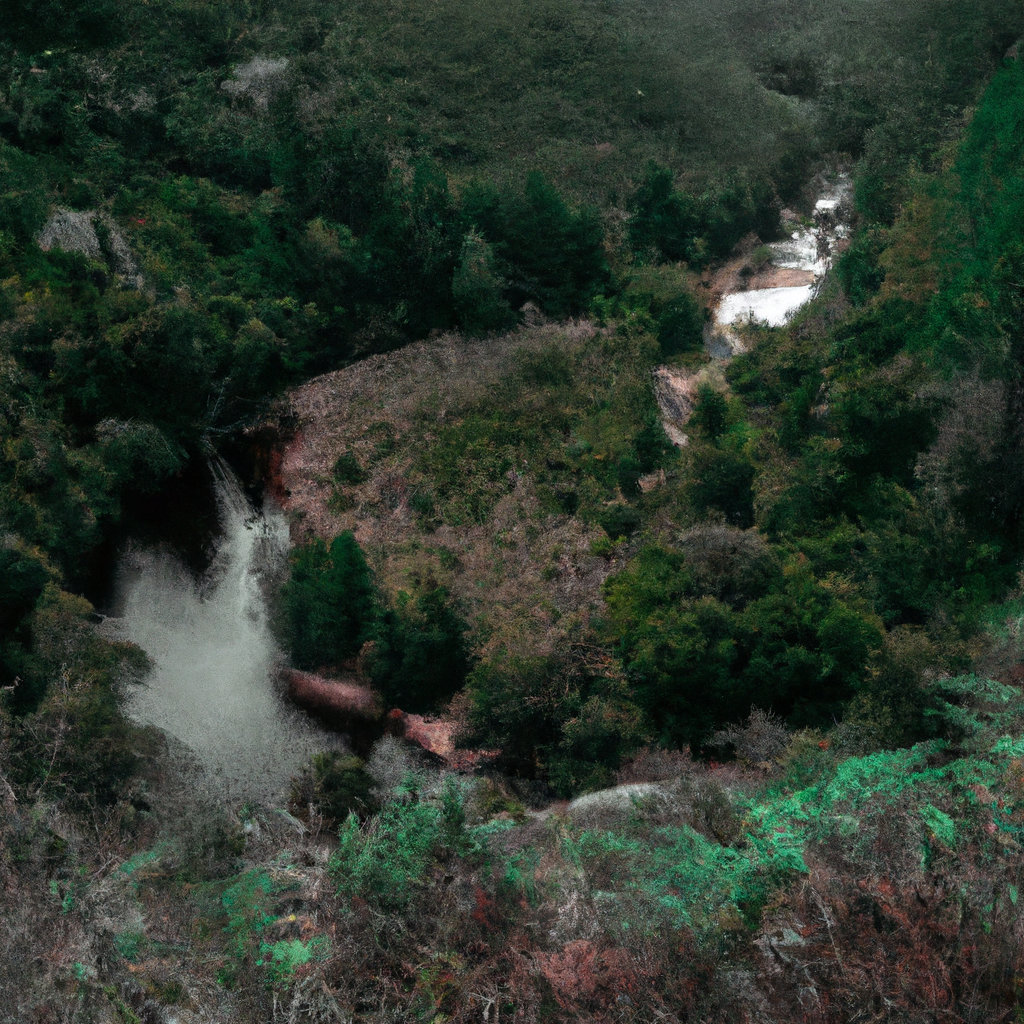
{"points": [[738, 721]]}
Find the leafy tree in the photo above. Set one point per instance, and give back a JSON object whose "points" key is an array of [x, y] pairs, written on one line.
{"points": [[476, 288], [710, 412], [550, 255], [664, 220], [681, 325], [724, 479], [695, 662], [337, 785]]}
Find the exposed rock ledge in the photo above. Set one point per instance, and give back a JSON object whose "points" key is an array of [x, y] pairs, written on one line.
{"points": [[356, 710]]}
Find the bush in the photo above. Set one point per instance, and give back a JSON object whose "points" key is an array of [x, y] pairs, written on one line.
{"points": [[710, 412], [664, 221], [725, 482], [696, 663], [335, 785], [386, 861], [347, 470], [549, 254], [477, 289], [620, 521], [681, 326]]}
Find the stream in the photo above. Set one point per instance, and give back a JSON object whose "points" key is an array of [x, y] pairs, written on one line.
{"points": [[808, 250], [793, 270], [213, 682]]}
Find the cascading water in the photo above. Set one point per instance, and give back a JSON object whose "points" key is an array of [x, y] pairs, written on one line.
{"points": [[808, 249], [214, 657]]}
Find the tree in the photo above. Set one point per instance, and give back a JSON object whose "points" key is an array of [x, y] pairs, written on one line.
{"points": [[329, 602], [476, 288], [420, 656], [663, 220]]}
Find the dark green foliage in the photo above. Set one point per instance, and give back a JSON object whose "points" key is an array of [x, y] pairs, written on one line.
{"points": [[420, 656], [519, 705], [477, 289], [347, 469], [551, 717], [858, 268], [71, 741], [620, 521], [696, 662], [676, 226], [24, 579], [329, 602], [36, 24], [551, 256], [710, 412], [652, 447], [725, 483], [335, 786], [664, 220], [680, 325]]}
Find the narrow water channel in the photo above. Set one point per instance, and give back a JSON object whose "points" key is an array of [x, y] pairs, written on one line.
{"points": [[214, 656]]}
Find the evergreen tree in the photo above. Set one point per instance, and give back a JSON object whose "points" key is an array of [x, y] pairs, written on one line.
{"points": [[329, 602]]}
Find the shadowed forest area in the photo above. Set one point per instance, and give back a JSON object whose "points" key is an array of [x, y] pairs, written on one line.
{"points": [[737, 720]]}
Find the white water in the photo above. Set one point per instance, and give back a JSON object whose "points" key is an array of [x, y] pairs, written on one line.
{"points": [[212, 685], [809, 248], [772, 306]]}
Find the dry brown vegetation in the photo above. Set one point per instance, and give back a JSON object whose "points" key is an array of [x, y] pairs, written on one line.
{"points": [[522, 570]]}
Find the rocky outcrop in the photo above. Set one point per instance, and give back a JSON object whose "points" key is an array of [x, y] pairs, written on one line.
{"points": [[76, 231], [436, 737], [345, 706], [356, 710], [320, 693]]}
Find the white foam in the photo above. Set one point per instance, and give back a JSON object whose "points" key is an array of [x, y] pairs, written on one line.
{"points": [[800, 252], [214, 657], [773, 306]]}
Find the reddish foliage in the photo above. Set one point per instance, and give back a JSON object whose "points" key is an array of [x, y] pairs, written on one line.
{"points": [[917, 948], [585, 977], [486, 912]]}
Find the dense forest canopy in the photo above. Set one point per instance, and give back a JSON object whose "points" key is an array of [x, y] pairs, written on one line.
{"points": [[204, 204]]}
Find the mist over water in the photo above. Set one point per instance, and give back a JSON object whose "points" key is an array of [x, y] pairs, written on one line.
{"points": [[213, 681]]}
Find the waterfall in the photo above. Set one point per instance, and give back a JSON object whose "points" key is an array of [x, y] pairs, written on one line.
{"points": [[212, 685]]}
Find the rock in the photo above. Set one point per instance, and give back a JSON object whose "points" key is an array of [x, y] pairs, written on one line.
{"points": [[320, 693], [75, 231], [348, 707], [436, 737], [356, 710], [72, 231]]}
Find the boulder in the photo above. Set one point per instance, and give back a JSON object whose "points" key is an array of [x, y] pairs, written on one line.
{"points": [[356, 710]]}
